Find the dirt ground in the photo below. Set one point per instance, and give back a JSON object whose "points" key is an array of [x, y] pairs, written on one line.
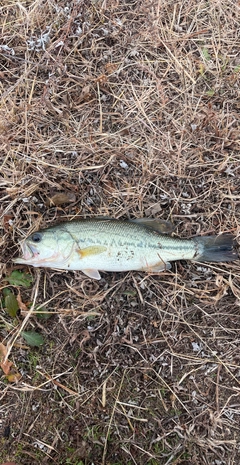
{"points": [[125, 109]]}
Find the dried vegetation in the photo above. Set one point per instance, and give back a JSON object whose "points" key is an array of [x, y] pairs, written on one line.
{"points": [[127, 109]]}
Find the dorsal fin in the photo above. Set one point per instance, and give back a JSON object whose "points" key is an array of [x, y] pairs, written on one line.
{"points": [[162, 226]]}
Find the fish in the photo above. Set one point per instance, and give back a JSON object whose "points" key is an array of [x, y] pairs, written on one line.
{"points": [[106, 244]]}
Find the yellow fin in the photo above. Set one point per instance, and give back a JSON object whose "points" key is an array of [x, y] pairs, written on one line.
{"points": [[162, 226], [94, 274], [91, 250]]}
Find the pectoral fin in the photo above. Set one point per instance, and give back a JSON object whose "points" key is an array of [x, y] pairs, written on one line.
{"points": [[91, 250], [162, 226], [94, 274], [160, 266]]}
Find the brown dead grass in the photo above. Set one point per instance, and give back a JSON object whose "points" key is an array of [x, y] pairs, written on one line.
{"points": [[130, 108]]}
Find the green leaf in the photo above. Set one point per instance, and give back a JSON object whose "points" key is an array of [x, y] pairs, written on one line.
{"points": [[19, 278], [11, 304], [205, 53], [236, 69], [43, 313], [32, 338], [6, 291], [210, 92], [130, 292]]}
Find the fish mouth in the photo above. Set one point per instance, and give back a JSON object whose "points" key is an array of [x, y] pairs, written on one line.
{"points": [[29, 253]]}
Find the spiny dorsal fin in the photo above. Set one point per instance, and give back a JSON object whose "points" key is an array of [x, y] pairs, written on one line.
{"points": [[162, 226]]}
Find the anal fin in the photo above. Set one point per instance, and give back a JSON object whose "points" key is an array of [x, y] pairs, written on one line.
{"points": [[160, 266]]}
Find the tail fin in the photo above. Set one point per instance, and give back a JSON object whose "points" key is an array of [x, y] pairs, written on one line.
{"points": [[215, 249]]}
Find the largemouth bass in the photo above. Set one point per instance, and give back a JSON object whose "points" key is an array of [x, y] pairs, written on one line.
{"points": [[104, 244]]}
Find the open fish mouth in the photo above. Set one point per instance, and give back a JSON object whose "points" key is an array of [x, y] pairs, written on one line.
{"points": [[32, 256], [29, 252]]}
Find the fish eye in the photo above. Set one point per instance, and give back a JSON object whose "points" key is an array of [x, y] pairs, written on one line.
{"points": [[36, 237]]}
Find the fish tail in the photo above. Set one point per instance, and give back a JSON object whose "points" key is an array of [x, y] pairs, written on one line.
{"points": [[215, 248]]}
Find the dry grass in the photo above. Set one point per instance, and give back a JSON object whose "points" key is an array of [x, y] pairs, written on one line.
{"points": [[132, 109]]}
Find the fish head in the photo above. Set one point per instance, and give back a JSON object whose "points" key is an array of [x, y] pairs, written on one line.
{"points": [[44, 248]]}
